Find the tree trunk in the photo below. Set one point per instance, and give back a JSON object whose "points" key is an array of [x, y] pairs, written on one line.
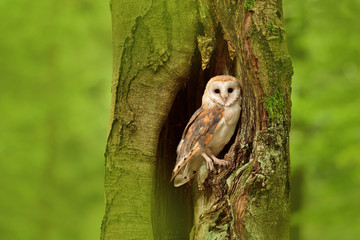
{"points": [[164, 53]]}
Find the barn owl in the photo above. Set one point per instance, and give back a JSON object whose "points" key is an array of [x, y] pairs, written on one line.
{"points": [[209, 129]]}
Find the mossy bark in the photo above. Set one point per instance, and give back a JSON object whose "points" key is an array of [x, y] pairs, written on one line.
{"points": [[154, 42], [164, 52]]}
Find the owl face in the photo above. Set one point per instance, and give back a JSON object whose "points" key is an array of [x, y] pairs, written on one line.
{"points": [[222, 90]]}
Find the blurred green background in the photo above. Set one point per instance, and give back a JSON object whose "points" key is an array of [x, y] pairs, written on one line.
{"points": [[324, 43], [55, 80]]}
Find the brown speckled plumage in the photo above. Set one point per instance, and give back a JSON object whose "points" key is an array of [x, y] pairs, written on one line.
{"points": [[198, 133]]}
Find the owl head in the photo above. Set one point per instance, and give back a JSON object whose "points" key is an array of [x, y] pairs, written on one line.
{"points": [[223, 90]]}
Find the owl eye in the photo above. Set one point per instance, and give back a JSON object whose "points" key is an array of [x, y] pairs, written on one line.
{"points": [[230, 90], [217, 90]]}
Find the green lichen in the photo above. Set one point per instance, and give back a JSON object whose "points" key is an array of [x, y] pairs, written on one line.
{"points": [[274, 106], [248, 4]]}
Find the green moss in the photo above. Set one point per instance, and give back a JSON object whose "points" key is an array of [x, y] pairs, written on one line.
{"points": [[248, 4], [271, 27], [274, 106]]}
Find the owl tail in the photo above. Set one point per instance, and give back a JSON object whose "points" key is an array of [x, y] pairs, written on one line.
{"points": [[188, 172], [180, 179]]}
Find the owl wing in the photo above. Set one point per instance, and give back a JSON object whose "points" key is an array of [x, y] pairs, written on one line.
{"points": [[197, 135], [192, 119]]}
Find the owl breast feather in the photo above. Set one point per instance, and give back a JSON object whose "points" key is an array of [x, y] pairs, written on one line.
{"points": [[225, 130]]}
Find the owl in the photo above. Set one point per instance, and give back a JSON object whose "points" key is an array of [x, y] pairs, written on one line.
{"points": [[209, 129]]}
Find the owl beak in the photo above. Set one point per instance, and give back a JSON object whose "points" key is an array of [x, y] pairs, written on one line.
{"points": [[224, 99]]}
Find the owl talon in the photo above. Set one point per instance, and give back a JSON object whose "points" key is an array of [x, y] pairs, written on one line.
{"points": [[220, 162], [209, 162], [212, 159]]}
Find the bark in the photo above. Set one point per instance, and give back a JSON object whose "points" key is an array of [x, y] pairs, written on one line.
{"points": [[154, 42], [164, 53]]}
